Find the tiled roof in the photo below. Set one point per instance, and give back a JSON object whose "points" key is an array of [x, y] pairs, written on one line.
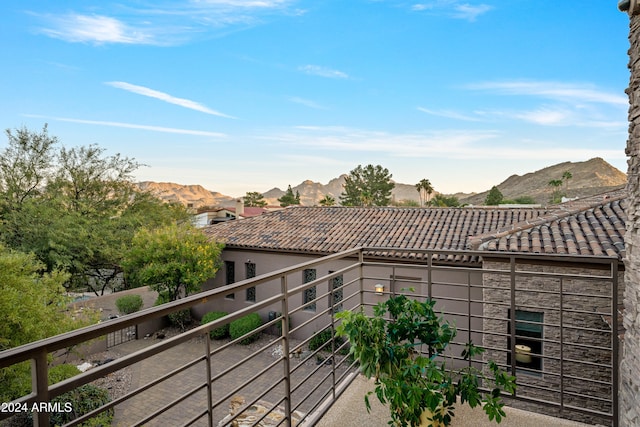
{"points": [[334, 229], [590, 226]]}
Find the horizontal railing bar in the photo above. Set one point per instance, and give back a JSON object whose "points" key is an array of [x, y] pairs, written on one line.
{"points": [[171, 404], [256, 399], [310, 393]]}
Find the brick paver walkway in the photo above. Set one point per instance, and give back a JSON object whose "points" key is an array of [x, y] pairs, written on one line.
{"points": [[193, 379]]}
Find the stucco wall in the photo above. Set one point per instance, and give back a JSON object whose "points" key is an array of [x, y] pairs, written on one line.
{"points": [[448, 288]]}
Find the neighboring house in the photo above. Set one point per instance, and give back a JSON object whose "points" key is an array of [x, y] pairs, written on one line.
{"points": [[217, 215], [578, 229]]}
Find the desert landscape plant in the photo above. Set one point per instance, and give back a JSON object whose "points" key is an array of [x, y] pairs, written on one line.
{"points": [[216, 333], [128, 304], [403, 347], [243, 326]]}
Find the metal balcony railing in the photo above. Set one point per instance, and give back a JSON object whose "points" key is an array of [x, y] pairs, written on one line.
{"points": [[551, 320]]}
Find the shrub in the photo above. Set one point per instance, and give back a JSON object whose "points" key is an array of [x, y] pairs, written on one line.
{"points": [[180, 319], [128, 304], [83, 399], [216, 333], [62, 372], [244, 325], [320, 338]]}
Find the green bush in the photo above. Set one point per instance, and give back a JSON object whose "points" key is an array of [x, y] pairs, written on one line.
{"points": [[180, 319], [128, 304], [244, 325], [319, 339], [324, 336], [62, 372], [83, 399], [216, 333]]}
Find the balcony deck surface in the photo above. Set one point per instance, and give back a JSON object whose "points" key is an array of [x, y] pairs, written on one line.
{"points": [[350, 410]]}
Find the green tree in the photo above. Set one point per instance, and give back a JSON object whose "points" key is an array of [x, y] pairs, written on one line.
{"points": [[556, 190], [25, 166], [288, 198], [494, 197], [254, 199], [425, 189], [407, 203], [445, 201], [327, 200], [525, 200], [75, 209], [368, 186], [566, 176], [33, 306], [174, 261]]}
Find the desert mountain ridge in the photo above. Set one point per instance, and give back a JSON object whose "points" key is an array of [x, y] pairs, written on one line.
{"points": [[588, 178]]}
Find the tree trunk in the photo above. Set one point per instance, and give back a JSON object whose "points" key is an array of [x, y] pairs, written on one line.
{"points": [[630, 366]]}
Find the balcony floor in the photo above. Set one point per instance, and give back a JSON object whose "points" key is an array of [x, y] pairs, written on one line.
{"points": [[350, 410]]}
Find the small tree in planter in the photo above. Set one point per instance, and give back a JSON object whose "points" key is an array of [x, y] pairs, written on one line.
{"points": [[419, 388]]}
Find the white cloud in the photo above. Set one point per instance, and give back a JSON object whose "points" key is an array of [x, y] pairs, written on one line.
{"points": [[306, 102], [165, 24], [445, 144], [568, 92], [318, 70], [449, 114], [77, 28], [244, 3], [470, 12], [151, 93], [453, 8], [133, 126]]}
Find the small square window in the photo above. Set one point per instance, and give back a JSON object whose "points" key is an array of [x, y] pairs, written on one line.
{"points": [[309, 275], [337, 294], [230, 276], [528, 346], [250, 272]]}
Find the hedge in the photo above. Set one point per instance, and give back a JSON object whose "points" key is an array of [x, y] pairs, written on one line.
{"points": [[128, 304], [244, 325], [216, 333]]}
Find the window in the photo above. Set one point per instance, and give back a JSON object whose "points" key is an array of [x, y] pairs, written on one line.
{"points": [[230, 275], [309, 275], [250, 272], [337, 294], [528, 340]]}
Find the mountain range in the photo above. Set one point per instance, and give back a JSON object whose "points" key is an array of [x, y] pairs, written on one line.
{"points": [[587, 178]]}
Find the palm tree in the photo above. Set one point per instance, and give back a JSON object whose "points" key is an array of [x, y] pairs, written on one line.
{"points": [[327, 200], [555, 184], [425, 187], [566, 176]]}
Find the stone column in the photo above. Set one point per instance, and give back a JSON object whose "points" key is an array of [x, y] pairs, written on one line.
{"points": [[630, 366]]}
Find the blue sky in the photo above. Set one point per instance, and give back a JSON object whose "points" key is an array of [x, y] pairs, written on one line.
{"points": [[246, 95]]}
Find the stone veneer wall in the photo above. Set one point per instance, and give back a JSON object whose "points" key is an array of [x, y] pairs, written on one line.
{"points": [[630, 366], [584, 383]]}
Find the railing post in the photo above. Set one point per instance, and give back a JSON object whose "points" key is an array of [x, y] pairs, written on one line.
{"points": [[615, 357], [469, 310], [40, 386], [207, 349], [429, 278], [512, 317], [361, 268], [561, 345], [285, 348]]}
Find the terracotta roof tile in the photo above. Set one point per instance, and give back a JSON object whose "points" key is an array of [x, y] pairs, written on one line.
{"points": [[590, 226]]}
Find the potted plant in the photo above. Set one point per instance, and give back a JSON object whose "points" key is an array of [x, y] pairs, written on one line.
{"points": [[403, 348]]}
